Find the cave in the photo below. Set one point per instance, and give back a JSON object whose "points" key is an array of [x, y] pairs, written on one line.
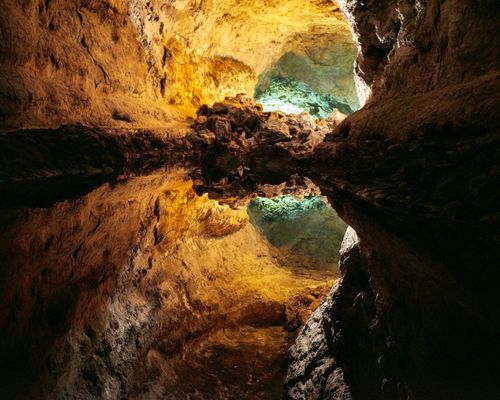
{"points": [[249, 199]]}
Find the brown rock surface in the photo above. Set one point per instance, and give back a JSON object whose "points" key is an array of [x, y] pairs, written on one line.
{"points": [[253, 149], [136, 279], [142, 288], [137, 64]]}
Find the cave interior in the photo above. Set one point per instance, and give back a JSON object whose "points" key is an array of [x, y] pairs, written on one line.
{"points": [[249, 199]]}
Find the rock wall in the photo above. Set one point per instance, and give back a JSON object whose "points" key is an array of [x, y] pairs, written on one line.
{"points": [[412, 172], [141, 288], [73, 61], [136, 64], [327, 339], [408, 47]]}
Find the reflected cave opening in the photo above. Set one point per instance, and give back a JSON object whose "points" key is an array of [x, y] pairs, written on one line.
{"points": [[307, 226]]}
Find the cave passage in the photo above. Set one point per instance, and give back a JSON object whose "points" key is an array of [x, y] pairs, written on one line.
{"points": [[211, 300], [315, 78], [249, 200], [134, 283], [296, 97]]}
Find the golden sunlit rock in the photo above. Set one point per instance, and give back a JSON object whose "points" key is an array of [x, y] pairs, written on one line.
{"points": [[198, 270]]}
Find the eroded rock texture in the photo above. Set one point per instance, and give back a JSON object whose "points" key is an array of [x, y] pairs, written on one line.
{"points": [[413, 172], [238, 149], [316, 369], [141, 64], [142, 289], [308, 226]]}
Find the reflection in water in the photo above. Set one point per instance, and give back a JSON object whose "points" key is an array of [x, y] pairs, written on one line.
{"points": [[142, 288], [309, 226]]}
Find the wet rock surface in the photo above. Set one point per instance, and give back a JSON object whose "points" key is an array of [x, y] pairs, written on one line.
{"points": [[238, 148]]}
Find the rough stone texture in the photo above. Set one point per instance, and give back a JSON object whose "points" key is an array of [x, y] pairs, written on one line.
{"points": [[314, 372], [67, 62], [237, 149], [414, 172], [142, 289], [308, 226], [295, 97], [410, 46], [431, 221], [425, 309], [140, 64]]}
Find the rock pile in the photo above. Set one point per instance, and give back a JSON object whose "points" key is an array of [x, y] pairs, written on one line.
{"points": [[240, 148]]}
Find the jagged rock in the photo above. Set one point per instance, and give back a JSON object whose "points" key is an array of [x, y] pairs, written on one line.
{"points": [[249, 148], [295, 96], [273, 131], [314, 373], [114, 63]]}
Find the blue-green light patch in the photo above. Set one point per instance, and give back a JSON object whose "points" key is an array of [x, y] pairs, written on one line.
{"points": [[309, 226], [294, 97]]}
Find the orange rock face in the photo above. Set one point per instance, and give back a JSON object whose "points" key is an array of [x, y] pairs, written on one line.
{"points": [[147, 280], [138, 64]]}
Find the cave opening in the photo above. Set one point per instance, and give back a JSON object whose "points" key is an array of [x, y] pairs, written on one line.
{"points": [[296, 97], [315, 77]]}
